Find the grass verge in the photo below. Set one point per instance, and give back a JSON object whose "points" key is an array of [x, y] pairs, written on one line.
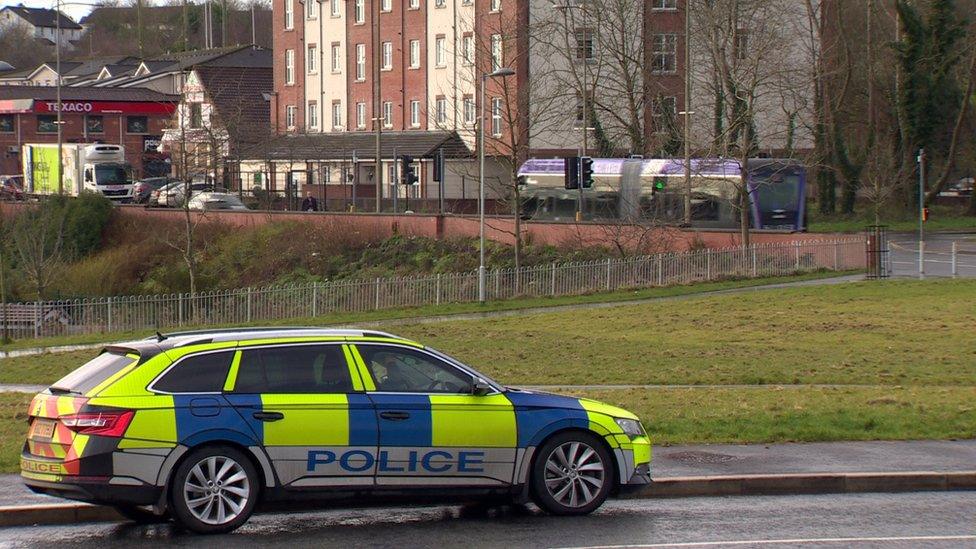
{"points": [[943, 218], [799, 414], [447, 309], [13, 429]]}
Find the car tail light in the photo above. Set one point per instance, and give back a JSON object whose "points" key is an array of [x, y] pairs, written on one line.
{"points": [[106, 424]]}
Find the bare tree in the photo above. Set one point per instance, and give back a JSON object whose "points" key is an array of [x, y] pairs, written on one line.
{"points": [[39, 246]]}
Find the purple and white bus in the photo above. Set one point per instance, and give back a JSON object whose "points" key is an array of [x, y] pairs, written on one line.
{"points": [[654, 189]]}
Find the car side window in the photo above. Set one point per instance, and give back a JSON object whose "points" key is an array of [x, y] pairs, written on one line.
{"points": [[294, 369], [204, 373], [403, 370]]}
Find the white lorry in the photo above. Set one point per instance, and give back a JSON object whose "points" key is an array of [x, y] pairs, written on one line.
{"points": [[90, 167]]}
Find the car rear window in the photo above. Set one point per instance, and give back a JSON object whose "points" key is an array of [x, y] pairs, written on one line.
{"points": [[93, 373], [204, 373]]}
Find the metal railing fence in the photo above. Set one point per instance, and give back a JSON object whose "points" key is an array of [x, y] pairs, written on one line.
{"points": [[318, 300]]}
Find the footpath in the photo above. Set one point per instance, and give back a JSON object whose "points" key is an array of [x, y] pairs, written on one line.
{"points": [[684, 471]]}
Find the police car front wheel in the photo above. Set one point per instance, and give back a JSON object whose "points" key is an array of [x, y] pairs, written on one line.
{"points": [[572, 474], [214, 490]]}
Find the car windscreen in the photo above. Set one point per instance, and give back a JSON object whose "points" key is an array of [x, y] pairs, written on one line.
{"points": [[93, 373]]}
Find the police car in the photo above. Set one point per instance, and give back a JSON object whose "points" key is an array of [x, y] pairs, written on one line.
{"points": [[204, 426]]}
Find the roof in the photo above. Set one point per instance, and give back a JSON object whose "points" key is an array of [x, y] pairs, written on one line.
{"points": [[85, 93], [153, 345], [42, 17], [241, 56], [237, 94], [342, 145]]}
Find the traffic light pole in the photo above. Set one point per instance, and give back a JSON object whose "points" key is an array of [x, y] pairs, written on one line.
{"points": [[921, 213], [579, 171]]}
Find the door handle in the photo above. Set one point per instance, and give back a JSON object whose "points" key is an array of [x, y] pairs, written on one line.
{"points": [[268, 416], [395, 416]]}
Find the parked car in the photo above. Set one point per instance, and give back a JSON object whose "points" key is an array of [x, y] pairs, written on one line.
{"points": [[216, 201], [171, 194], [145, 187], [963, 187], [11, 187]]}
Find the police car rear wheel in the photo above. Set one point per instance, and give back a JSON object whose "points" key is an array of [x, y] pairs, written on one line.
{"points": [[572, 474], [214, 490]]}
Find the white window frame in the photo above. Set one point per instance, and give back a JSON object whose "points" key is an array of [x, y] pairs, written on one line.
{"points": [[289, 15], [664, 47], [585, 46], [470, 110], [386, 6], [336, 58], [291, 113], [360, 12], [440, 110], [440, 55], [387, 56], [336, 115], [310, 59], [360, 62], [440, 3], [664, 5], [495, 6], [467, 49], [289, 67], [387, 114], [415, 54], [497, 52], [414, 113], [312, 112], [360, 115], [414, 5], [496, 116], [336, 10], [312, 9]]}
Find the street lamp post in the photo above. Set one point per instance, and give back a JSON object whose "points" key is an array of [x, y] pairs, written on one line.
{"points": [[57, 69], [502, 73]]}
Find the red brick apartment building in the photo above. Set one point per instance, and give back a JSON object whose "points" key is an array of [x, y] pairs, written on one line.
{"points": [[132, 117]]}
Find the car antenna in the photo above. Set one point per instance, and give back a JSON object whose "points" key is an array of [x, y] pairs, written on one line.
{"points": [[160, 337]]}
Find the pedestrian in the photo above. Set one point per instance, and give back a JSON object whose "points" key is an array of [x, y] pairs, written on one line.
{"points": [[309, 203]]}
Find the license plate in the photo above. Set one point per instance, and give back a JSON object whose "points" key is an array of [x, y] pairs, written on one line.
{"points": [[115, 187], [42, 429]]}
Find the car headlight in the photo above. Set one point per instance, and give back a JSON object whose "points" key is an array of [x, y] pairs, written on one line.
{"points": [[631, 427]]}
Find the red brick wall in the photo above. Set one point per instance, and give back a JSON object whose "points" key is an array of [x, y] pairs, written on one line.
{"points": [[285, 94], [667, 85], [73, 132], [511, 23]]}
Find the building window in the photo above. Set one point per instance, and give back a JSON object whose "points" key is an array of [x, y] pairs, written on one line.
{"points": [[663, 109], [496, 117], [440, 110], [289, 15], [415, 114], [313, 52], [360, 62], [467, 49], [470, 110], [47, 123], [290, 113], [391, 175], [360, 11], [7, 123], [386, 5], [660, 5], [440, 3], [360, 115], [414, 54], [336, 57], [289, 67], [337, 115], [415, 4], [664, 48], [136, 124], [326, 174], [93, 124], [496, 52], [387, 56], [196, 115], [440, 56], [466, 2], [581, 108], [313, 114], [584, 44], [387, 114], [335, 8], [312, 8], [496, 5]]}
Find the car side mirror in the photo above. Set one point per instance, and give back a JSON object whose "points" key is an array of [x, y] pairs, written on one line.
{"points": [[480, 387]]}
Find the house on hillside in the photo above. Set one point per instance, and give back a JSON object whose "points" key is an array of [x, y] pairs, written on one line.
{"points": [[43, 24]]}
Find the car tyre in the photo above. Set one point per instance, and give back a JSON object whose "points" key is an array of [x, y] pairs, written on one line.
{"points": [[572, 474], [140, 515], [214, 490]]}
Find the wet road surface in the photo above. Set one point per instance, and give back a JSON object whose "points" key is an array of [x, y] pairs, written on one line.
{"points": [[932, 519]]}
